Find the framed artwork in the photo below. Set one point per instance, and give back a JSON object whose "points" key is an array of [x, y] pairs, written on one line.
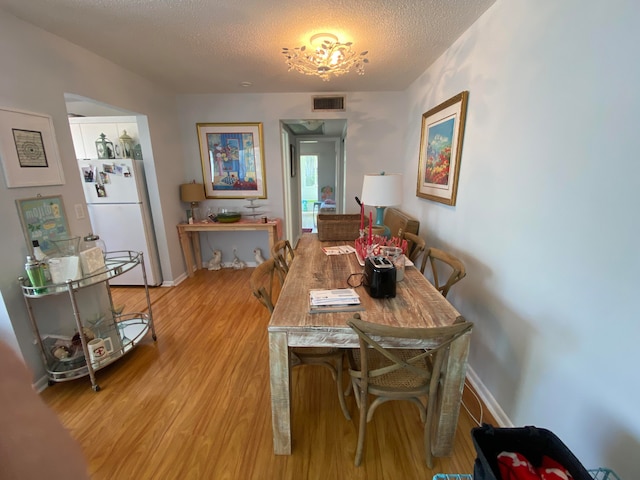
{"points": [[232, 156], [293, 161], [28, 150], [440, 150], [43, 219]]}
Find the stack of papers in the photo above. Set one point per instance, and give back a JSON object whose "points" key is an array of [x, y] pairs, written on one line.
{"points": [[339, 250], [333, 301]]}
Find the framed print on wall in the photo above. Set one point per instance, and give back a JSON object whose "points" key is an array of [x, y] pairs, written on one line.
{"points": [[28, 150], [232, 156], [43, 219], [441, 149], [293, 159]]}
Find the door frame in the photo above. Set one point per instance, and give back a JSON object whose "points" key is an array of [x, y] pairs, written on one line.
{"points": [[291, 185]]}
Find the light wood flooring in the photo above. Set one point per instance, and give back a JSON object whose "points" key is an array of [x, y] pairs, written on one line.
{"points": [[196, 403]]}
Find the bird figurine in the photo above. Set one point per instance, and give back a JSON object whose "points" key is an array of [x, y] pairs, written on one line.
{"points": [[258, 254], [215, 262], [237, 263]]}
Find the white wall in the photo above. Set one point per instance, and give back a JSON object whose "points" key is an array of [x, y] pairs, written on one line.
{"points": [[37, 70], [546, 219]]}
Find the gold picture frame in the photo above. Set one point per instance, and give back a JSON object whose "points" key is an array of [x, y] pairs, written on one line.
{"points": [[441, 149], [232, 156]]}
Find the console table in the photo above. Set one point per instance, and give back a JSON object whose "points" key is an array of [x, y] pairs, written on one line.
{"points": [[190, 238]]}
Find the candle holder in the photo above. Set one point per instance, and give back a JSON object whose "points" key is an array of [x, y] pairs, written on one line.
{"points": [[375, 245]]}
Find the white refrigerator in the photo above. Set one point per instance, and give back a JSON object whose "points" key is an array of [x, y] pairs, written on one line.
{"points": [[118, 206]]}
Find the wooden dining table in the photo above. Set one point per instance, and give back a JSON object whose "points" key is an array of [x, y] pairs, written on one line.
{"points": [[417, 304]]}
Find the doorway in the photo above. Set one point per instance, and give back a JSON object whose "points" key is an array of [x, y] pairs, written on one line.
{"points": [[319, 179], [314, 166]]}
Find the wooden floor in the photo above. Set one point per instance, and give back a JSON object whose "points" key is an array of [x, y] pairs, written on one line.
{"points": [[196, 403]]}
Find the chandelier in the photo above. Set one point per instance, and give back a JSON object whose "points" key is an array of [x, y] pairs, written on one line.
{"points": [[325, 57]]}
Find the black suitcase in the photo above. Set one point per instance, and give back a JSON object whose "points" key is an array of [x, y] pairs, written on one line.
{"points": [[532, 442]]}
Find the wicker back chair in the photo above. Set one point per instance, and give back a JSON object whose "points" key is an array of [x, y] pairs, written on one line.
{"points": [[262, 285], [282, 253], [415, 245], [399, 374], [437, 258]]}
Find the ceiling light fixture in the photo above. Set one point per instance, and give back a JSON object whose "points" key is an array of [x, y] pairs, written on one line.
{"points": [[326, 56]]}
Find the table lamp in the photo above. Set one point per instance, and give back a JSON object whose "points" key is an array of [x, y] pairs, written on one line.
{"points": [[381, 191], [192, 193]]}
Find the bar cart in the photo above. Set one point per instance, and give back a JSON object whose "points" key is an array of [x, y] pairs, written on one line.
{"points": [[66, 347]]}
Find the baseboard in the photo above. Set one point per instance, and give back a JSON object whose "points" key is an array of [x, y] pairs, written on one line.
{"points": [[181, 278], [487, 399], [41, 384]]}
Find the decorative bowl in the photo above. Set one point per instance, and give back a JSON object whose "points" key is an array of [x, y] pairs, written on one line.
{"points": [[229, 217]]}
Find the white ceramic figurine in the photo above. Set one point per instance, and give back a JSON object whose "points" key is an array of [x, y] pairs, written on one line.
{"points": [[237, 263], [258, 254], [215, 262]]}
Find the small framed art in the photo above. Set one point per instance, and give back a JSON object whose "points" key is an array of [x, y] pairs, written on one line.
{"points": [[293, 159], [28, 149], [43, 219]]}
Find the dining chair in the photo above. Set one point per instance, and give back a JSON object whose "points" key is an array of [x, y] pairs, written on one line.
{"points": [[399, 374], [264, 289], [415, 245], [436, 258], [262, 283], [283, 254]]}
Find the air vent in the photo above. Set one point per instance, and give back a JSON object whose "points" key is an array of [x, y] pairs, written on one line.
{"points": [[328, 104]]}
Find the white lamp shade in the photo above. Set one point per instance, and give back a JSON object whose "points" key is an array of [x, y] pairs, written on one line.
{"points": [[382, 190]]}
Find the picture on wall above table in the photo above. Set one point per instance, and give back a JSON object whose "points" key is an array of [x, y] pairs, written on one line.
{"points": [[28, 149], [232, 156], [441, 149]]}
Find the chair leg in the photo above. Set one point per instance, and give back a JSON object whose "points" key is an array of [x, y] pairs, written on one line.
{"points": [[356, 391], [428, 425], [427, 439], [362, 431], [343, 404], [380, 400], [349, 389]]}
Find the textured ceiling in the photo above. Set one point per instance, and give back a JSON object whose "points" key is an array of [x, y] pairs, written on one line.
{"points": [[211, 46]]}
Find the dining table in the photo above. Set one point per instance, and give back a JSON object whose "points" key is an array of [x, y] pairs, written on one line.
{"points": [[417, 304]]}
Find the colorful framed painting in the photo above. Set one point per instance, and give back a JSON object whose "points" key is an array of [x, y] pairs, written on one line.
{"points": [[441, 149], [232, 156], [43, 219], [28, 150]]}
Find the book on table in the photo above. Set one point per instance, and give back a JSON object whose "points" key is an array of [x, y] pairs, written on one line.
{"points": [[334, 296], [333, 300]]}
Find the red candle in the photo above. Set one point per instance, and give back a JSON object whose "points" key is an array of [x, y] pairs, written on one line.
{"points": [[362, 218], [370, 222]]}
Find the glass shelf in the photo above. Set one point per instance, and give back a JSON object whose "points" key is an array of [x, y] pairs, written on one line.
{"points": [[116, 263]]}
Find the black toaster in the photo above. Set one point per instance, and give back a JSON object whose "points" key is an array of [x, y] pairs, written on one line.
{"points": [[379, 277]]}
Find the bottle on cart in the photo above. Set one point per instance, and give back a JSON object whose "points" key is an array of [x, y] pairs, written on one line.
{"points": [[35, 272], [39, 255]]}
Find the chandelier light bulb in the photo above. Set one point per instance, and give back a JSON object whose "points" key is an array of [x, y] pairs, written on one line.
{"points": [[325, 57]]}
